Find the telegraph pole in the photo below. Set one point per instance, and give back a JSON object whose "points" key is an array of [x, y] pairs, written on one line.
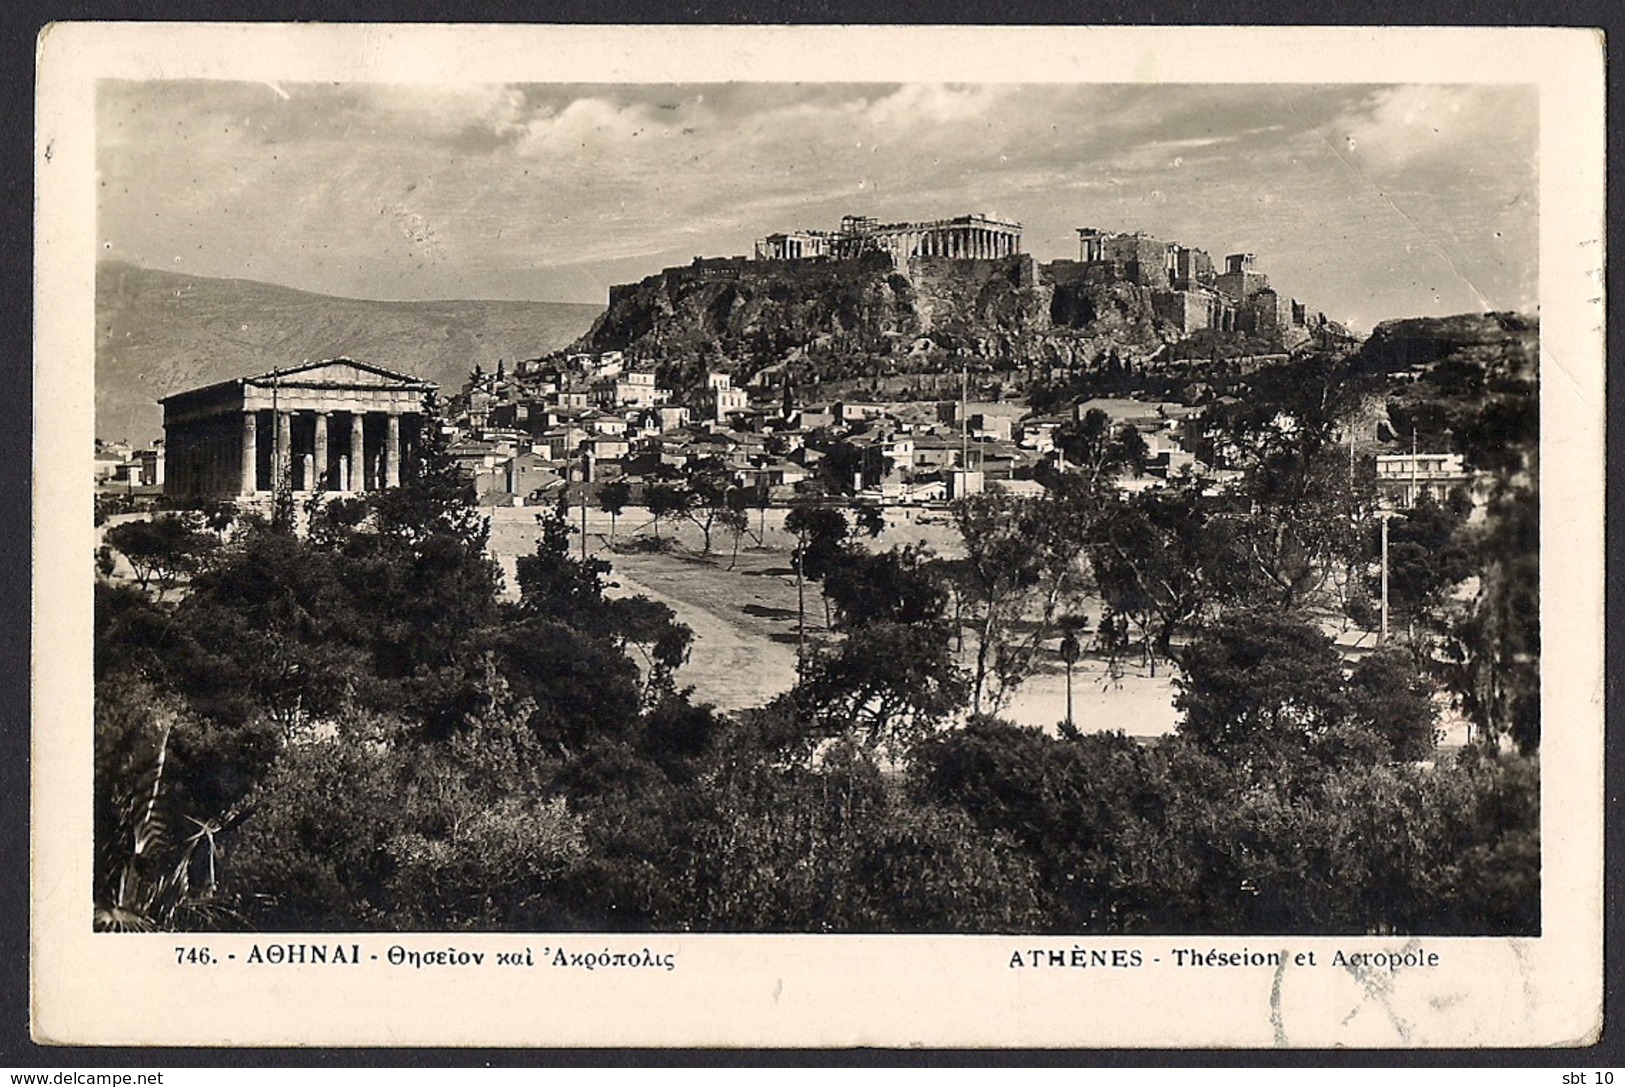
{"points": [[1414, 495], [586, 470], [964, 416], [801, 605], [1386, 516]]}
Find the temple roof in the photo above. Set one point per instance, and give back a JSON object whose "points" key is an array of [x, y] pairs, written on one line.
{"points": [[336, 373]]}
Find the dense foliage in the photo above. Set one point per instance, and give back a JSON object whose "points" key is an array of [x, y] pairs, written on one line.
{"points": [[334, 719]]}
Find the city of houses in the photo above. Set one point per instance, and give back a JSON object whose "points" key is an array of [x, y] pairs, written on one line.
{"points": [[527, 431]]}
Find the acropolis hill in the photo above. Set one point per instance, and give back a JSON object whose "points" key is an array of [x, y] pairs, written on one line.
{"points": [[873, 299]]}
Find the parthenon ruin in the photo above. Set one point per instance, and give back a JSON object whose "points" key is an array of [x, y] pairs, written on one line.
{"points": [[336, 425], [967, 237]]}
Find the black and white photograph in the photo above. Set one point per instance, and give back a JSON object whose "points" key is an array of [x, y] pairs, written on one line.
{"points": [[1099, 514]]}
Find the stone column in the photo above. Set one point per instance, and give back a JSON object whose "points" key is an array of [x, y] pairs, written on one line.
{"points": [[284, 450], [392, 452], [358, 452], [320, 482], [251, 453]]}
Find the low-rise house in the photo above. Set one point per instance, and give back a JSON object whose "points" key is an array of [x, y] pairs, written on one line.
{"points": [[530, 478], [632, 389], [1403, 478], [851, 412], [816, 417], [984, 425], [603, 447], [1038, 432], [560, 443]]}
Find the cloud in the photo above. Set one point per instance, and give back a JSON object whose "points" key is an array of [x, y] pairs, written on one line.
{"points": [[1396, 128], [510, 190], [935, 104]]}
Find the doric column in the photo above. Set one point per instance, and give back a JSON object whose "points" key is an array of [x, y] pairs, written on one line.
{"points": [[251, 453], [320, 482], [284, 450], [392, 452], [358, 452]]}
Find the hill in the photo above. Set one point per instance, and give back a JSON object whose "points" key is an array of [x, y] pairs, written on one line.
{"points": [[1469, 383], [160, 332], [868, 318]]}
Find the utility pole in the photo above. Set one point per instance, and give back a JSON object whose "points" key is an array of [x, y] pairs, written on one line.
{"points": [[801, 604], [964, 417], [1414, 495], [1385, 515], [586, 470]]}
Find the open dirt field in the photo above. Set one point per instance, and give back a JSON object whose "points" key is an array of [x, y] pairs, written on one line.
{"points": [[744, 618]]}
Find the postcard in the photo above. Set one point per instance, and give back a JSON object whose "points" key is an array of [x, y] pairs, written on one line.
{"points": [[818, 536]]}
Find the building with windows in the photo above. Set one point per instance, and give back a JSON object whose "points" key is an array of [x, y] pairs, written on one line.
{"points": [[1403, 478]]}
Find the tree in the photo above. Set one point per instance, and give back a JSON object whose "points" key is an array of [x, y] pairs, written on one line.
{"points": [[666, 502], [1099, 453], [1304, 524], [555, 584], [1088, 814], [1426, 558], [1493, 645], [1265, 688], [707, 497], [163, 550], [613, 498], [1260, 683], [896, 586], [277, 627], [1393, 699], [167, 788], [1022, 555], [842, 468], [736, 523], [653, 629], [821, 537], [885, 685], [1161, 560]]}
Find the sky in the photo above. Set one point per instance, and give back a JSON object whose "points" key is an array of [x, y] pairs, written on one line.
{"points": [[1366, 202]]}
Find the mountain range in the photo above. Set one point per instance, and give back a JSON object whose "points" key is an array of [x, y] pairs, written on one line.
{"points": [[161, 332]]}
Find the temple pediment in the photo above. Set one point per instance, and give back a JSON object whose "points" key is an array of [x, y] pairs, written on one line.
{"points": [[340, 373]]}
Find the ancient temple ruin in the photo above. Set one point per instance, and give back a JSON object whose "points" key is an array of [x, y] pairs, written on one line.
{"points": [[966, 237], [332, 426]]}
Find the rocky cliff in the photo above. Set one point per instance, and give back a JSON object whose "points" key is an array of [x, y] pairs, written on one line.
{"points": [[870, 318], [1507, 343]]}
